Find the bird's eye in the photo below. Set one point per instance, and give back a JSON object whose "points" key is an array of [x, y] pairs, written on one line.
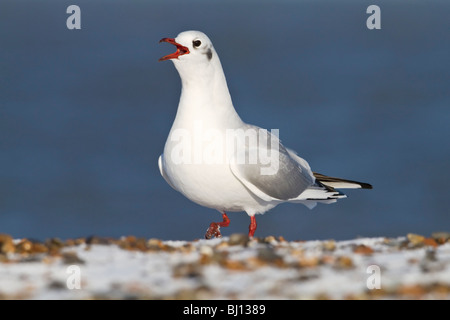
{"points": [[196, 43]]}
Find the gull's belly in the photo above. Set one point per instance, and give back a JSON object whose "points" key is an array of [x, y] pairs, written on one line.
{"points": [[210, 185], [197, 164]]}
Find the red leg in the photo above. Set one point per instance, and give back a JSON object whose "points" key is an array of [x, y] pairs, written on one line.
{"points": [[252, 227], [214, 227]]}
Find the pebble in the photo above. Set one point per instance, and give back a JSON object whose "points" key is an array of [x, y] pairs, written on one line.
{"points": [[154, 244], [222, 245], [39, 248], [71, 257], [343, 262], [430, 262], [98, 240], [270, 240], [234, 265], [54, 245], [6, 244], [411, 291], [132, 243], [24, 246], [415, 239], [229, 255], [269, 255], [329, 245], [187, 270], [309, 262], [363, 249], [430, 242], [396, 242], [57, 285], [206, 250], [238, 239], [441, 237]]}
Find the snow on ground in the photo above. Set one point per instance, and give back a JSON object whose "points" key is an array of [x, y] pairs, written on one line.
{"points": [[234, 267]]}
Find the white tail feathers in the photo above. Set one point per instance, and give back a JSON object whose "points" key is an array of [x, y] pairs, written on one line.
{"points": [[324, 190]]}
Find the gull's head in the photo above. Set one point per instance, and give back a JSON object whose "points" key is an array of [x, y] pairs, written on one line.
{"points": [[192, 46]]}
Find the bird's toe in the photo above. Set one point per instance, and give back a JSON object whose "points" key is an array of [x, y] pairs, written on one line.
{"points": [[213, 231]]}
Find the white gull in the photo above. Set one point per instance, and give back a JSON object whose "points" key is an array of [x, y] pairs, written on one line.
{"points": [[218, 161]]}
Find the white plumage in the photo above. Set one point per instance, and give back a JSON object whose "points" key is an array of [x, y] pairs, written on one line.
{"points": [[199, 162]]}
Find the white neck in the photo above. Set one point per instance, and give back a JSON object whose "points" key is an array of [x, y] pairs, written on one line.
{"points": [[204, 96]]}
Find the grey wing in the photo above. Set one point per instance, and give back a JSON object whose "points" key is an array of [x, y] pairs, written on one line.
{"points": [[275, 175]]}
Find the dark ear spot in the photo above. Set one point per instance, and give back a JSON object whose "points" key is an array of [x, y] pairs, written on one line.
{"points": [[209, 54]]}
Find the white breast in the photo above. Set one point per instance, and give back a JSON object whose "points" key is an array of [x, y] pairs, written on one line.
{"points": [[204, 179]]}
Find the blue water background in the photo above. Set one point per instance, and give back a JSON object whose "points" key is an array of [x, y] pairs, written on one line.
{"points": [[84, 114]]}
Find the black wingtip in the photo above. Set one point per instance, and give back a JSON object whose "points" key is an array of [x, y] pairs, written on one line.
{"points": [[365, 185], [324, 179]]}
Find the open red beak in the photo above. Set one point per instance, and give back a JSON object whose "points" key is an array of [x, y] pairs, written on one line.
{"points": [[180, 50]]}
